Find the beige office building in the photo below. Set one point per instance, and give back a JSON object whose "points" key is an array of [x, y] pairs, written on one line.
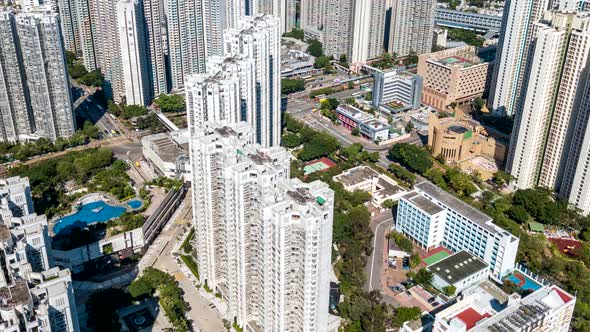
{"points": [[455, 75]]}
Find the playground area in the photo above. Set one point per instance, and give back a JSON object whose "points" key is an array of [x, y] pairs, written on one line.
{"points": [[317, 165], [523, 282], [435, 255]]}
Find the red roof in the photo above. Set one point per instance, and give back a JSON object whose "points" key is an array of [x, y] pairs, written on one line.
{"points": [[566, 246], [564, 296], [470, 317]]}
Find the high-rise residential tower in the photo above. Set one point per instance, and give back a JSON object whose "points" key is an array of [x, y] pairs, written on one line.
{"points": [[368, 29], [338, 27], [35, 96], [154, 20], [516, 37], [411, 26], [134, 52], [68, 14], [87, 32], [258, 38], [543, 122], [263, 241], [312, 18]]}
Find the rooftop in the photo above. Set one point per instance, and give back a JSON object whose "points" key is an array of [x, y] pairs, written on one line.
{"points": [[455, 204], [458, 267], [456, 60], [422, 203], [354, 112], [166, 148], [356, 175], [387, 188]]}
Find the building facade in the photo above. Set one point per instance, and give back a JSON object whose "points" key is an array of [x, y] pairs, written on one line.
{"points": [[466, 20], [432, 217], [134, 53], [33, 295], [263, 241], [411, 27], [367, 125], [542, 132], [35, 98], [514, 48], [396, 90], [455, 75]]}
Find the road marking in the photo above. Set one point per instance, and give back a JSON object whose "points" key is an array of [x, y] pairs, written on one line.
{"points": [[373, 260]]}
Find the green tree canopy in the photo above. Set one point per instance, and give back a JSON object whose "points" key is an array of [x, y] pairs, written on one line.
{"points": [[170, 103], [411, 157], [289, 85], [315, 48]]}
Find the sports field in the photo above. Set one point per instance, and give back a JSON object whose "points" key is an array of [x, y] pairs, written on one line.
{"points": [[435, 258]]}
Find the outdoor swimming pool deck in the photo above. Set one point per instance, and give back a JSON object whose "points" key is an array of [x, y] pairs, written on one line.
{"points": [[93, 212], [523, 282], [89, 213]]}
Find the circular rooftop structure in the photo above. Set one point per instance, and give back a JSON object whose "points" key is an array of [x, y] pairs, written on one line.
{"points": [[458, 129]]}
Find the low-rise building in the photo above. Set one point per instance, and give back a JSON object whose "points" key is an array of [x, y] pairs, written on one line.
{"points": [[369, 127], [485, 307], [454, 75], [167, 153], [380, 186], [460, 270], [432, 217], [460, 138], [396, 90]]}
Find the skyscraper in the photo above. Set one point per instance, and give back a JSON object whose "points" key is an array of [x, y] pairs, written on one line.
{"points": [[154, 17], [34, 88], [338, 27], [134, 52], [263, 241], [368, 30], [312, 18], [258, 38], [68, 14], [282, 9], [87, 32], [517, 33], [107, 47], [186, 40], [543, 120], [411, 26]]}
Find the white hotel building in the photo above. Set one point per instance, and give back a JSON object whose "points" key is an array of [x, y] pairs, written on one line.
{"points": [[263, 241], [432, 217]]}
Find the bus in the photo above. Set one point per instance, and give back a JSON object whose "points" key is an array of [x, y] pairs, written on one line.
{"points": [[356, 94], [308, 78]]}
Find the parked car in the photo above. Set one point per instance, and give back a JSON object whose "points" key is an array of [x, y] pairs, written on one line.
{"points": [[435, 304], [432, 299]]}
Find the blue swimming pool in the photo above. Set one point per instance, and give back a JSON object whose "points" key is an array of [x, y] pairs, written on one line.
{"points": [[523, 282], [87, 214], [135, 204]]}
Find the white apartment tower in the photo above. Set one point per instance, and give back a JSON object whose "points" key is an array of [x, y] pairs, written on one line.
{"points": [[282, 9], [338, 27], [186, 39], [226, 93], [517, 33], [312, 18], [68, 14], [34, 88], [368, 29], [411, 27], [263, 241], [134, 53], [540, 140], [258, 38], [87, 31]]}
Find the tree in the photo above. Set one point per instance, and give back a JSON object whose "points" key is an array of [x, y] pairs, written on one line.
{"points": [[403, 174], [411, 59], [415, 260], [409, 126], [402, 242], [501, 178], [170, 103], [411, 157], [478, 104], [321, 62], [388, 204], [289, 85], [91, 130], [449, 290], [329, 104], [423, 277], [355, 131], [77, 70], [460, 182], [369, 96], [343, 61], [140, 288], [406, 314], [315, 48], [295, 33], [467, 36], [329, 69], [518, 214], [93, 78], [291, 141], [321, 145]]}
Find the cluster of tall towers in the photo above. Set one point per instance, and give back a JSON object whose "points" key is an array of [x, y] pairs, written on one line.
{"points": [[542, 80], [364, 29], [35, 96], [148, 47]]}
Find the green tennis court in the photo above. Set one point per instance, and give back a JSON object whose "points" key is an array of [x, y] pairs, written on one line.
{"points": [[436, 257]]}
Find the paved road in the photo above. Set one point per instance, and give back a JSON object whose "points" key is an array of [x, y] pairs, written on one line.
{"points": [[380, 225]]}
